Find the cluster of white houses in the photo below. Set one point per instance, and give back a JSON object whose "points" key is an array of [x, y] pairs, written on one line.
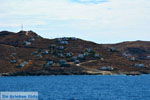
{"points": [[57, 50]]}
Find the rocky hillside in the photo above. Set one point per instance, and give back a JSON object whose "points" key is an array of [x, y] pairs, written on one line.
{"points": [[27, 53]]}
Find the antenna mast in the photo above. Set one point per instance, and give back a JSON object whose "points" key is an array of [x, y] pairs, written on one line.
{"points": [[22, 27]]}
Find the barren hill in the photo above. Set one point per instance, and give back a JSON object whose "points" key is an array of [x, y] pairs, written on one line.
{"points": [[27, 53]]}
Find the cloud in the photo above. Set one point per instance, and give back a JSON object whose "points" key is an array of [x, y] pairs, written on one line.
{"points": [[96, 20], [89, 1]]}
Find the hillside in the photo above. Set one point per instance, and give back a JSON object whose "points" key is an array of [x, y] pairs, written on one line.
{"points": [[27, 53]]}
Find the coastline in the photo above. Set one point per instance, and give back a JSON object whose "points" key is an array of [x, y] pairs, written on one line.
{"points": [[133, 73]]}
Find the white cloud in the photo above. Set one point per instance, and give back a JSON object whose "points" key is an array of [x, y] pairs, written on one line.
{"points": [[122, 18]]}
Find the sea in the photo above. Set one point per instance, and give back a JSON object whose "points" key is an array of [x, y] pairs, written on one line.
{"points": [[80, 87]]}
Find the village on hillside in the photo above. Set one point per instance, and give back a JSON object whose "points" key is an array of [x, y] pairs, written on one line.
{"points": [[26, 53]]}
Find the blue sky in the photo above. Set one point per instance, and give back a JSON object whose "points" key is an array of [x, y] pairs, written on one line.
{"points": [[101, 21]]}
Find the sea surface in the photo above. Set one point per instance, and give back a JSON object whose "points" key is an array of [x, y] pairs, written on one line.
{"points": [[81, 87]]}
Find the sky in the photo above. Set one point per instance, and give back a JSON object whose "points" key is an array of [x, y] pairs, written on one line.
{"points": [[101, 21]]}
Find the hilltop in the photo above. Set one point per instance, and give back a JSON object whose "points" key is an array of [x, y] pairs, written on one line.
{"points": [[27, 53]]}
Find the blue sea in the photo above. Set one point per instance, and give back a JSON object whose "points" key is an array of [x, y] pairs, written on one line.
{"points": [[81, 87]]}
